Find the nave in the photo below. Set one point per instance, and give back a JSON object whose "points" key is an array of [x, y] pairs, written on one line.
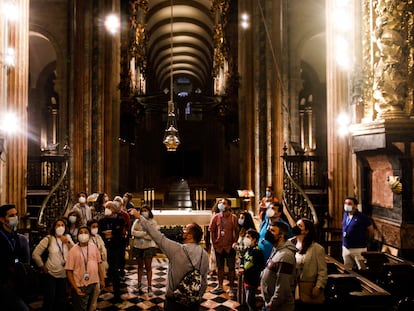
{"points": [[133, 300]]}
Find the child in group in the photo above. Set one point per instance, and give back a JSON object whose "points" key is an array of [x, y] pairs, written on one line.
{"points": [[251, 266]]}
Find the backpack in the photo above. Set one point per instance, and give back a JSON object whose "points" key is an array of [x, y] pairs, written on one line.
{"points": [[188, 290]]}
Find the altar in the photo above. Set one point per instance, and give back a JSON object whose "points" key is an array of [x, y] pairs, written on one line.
{"points": [[182, 217]]}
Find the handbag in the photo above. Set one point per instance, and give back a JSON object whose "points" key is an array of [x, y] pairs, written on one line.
{"points": [[304, 290]]}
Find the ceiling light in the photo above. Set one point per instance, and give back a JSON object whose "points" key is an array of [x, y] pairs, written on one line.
{"points": [[171, 138]]}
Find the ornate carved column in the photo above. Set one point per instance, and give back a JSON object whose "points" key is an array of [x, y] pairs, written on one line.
{"points": [[391, 20], [384, 141]]}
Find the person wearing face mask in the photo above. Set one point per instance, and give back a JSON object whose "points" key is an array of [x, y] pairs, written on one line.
{"points": [[357, 228], [273, 213], [178, 263], [96, 239], [311, 268], [14, 248], [278, 277], [74, 223], [82, 208], [111, 229], [57, 245], [84, 270], [265, 203], [144, 247], [125, 230], [245, 223], [251, 266], [224, 232]]}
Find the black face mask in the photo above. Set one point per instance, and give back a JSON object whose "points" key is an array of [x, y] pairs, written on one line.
{"points": [[296, 230], [270, 237]]}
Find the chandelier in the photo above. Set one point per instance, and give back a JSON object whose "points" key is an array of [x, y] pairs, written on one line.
{"points": [[171, 138]]}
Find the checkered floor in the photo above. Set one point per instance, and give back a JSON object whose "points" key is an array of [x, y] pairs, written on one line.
{"points": [[133, 300]]}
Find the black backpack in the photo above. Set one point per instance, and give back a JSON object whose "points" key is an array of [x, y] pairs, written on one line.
{"points": [[188, 290]]}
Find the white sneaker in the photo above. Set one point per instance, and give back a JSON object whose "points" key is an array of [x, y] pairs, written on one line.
{"points": [[232, 293]]}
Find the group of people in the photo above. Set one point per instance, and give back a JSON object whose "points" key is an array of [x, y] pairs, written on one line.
{"points": [[283, 261], [286, 262]]}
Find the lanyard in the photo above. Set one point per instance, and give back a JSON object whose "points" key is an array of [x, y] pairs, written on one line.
{"points": [[222, 223], [85, 259], [61, 248]]}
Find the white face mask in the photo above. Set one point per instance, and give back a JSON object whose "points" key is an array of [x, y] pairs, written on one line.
{"points": [[247, 242], [145, 214], [270, 213], [13, 222], [347, 208], [82, 200], [60, 231], [94, 231], [221, 207], [241, 222], [72, 219], [83, 237], [108, 212]]}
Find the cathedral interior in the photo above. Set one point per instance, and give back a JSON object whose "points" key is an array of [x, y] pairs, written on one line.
{"points": [[181, 102]]}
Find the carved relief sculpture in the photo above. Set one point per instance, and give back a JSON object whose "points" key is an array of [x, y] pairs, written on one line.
{"points": [[390, 78]]}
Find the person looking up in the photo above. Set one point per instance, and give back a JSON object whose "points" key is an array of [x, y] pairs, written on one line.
{"points": [[273, 213], [82, 207], [144, 247], [74, 223], [177, 254], [224, 232], [96, 239], [265, 202], [251, 267], [111, 229], [357, 228], [311, 268]]}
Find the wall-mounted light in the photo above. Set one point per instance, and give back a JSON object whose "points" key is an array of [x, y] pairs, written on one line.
{"points": [[112, 23], [343, 120], [8, 59], [245, 21], [9, 124]]}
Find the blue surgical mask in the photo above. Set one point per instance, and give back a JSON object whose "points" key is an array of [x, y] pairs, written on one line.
{"points": [[221, 207], [268, 194]]}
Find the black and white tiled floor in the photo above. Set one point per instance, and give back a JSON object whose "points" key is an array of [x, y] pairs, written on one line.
{"points": [[134, 300]]}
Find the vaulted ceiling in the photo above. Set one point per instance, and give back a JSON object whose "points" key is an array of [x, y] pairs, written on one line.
{"points": [[180, 41]]}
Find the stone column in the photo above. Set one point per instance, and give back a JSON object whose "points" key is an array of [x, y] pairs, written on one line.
{"points": [[17, 101], [339, 157]]}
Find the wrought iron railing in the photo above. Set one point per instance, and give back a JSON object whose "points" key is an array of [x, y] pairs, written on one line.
{"points": [[49, 173], [303, 176]]}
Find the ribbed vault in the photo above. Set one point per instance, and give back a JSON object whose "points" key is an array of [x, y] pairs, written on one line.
{"points": [[191, 38]]}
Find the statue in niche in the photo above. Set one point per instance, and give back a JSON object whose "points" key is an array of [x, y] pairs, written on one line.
{"points": [[390, 72]]}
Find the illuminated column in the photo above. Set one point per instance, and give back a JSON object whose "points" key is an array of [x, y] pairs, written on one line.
{"points": [[339, 154], [15, 100]]}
